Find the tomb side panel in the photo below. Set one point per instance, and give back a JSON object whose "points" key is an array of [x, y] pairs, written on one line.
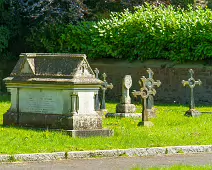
{"points": [[42, 101]]}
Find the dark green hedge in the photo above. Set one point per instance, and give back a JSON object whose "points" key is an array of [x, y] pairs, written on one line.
{"points": [[149, 32]]}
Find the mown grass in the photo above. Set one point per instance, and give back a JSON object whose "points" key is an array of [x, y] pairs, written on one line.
{"points": [[170, 128], [177, 167]]}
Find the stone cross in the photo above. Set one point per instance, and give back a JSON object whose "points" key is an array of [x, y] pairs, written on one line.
{"points": [[97, 104], [105, 86], [151, 83], [144, 93], [191, 83]]}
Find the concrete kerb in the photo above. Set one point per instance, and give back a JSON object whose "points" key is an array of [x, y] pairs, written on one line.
{"points": [[107, 153]]}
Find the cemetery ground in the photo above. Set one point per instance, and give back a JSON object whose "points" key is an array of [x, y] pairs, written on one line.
{"points": [[171, 128]]}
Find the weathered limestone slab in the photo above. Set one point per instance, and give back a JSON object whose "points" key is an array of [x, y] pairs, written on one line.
{"points": [[53, 91]]}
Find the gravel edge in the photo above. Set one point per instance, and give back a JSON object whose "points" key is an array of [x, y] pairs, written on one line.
{"points": [[106, 153]]}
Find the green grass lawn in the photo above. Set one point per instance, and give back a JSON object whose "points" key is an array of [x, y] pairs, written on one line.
{"points": [[170, 128]]}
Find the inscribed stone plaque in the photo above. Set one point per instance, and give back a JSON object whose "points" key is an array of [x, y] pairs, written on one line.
{"points": [[86, 103], [40, 101]]}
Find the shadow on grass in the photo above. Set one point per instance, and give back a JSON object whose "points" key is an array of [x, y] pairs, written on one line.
{"points": [[4, 98], [35, 129]]}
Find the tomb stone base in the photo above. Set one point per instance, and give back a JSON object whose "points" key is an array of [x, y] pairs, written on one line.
{"points": [[53, 121], [125, 108], [192, 113]]}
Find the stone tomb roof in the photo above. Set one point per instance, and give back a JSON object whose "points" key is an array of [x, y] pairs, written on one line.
{"points": [[52, 68]]}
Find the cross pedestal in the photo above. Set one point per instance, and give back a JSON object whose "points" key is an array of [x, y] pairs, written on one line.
{"points": [[192, 83], [144, 93]]}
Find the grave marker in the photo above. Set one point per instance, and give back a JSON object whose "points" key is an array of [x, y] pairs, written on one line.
{"points": [[151, 84], [97, 104], [125, 105], [104, 87], [55, 91], [144, 93], [191, 83]]}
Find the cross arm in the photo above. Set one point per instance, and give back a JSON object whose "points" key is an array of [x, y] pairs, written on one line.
{"points": [[136, 93], [157, 83], [185, 82], [198, 82], [110, 86]]}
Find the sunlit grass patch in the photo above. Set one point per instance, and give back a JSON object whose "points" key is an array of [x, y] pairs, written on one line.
{"points": [[171, 128]]}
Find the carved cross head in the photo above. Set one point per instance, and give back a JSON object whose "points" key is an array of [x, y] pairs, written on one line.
{"points": [[191, 81]]}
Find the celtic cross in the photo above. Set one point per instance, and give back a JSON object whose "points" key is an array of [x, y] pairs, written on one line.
{"points": [[151, 83], [105, 86], [144, 93], [191, 83]]}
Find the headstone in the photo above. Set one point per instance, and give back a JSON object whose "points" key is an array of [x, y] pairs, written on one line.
{"points": [[144, 93], [55, 91], [104, 87], [192, 83], [125, 105], [151, 84]]}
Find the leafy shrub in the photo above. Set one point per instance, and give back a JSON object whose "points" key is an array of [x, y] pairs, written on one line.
{"points": [[150, 32]]}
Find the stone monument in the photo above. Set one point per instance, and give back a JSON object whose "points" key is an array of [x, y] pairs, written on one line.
{"points": [[144, 93], [104, 87], [55, 91], [192, 83], [125, 105], [151, 84]]}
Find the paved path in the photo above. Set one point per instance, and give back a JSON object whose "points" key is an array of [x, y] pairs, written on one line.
{"points": [[113, 163]]}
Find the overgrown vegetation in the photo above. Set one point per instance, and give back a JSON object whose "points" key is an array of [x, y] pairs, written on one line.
{"points": [[150, 32], [170, 128]]}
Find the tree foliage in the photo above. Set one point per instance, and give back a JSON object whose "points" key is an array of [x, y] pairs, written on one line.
{"points": [[150, 32], [10, 29]]}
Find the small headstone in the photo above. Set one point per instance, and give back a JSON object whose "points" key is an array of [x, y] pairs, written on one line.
{"points": [[191, 83], [151, 84], [104, 87], [144, 93], [55, 91], [125, 106]]}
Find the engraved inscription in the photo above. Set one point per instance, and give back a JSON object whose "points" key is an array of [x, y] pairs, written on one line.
{"points": [[36, 101]]}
